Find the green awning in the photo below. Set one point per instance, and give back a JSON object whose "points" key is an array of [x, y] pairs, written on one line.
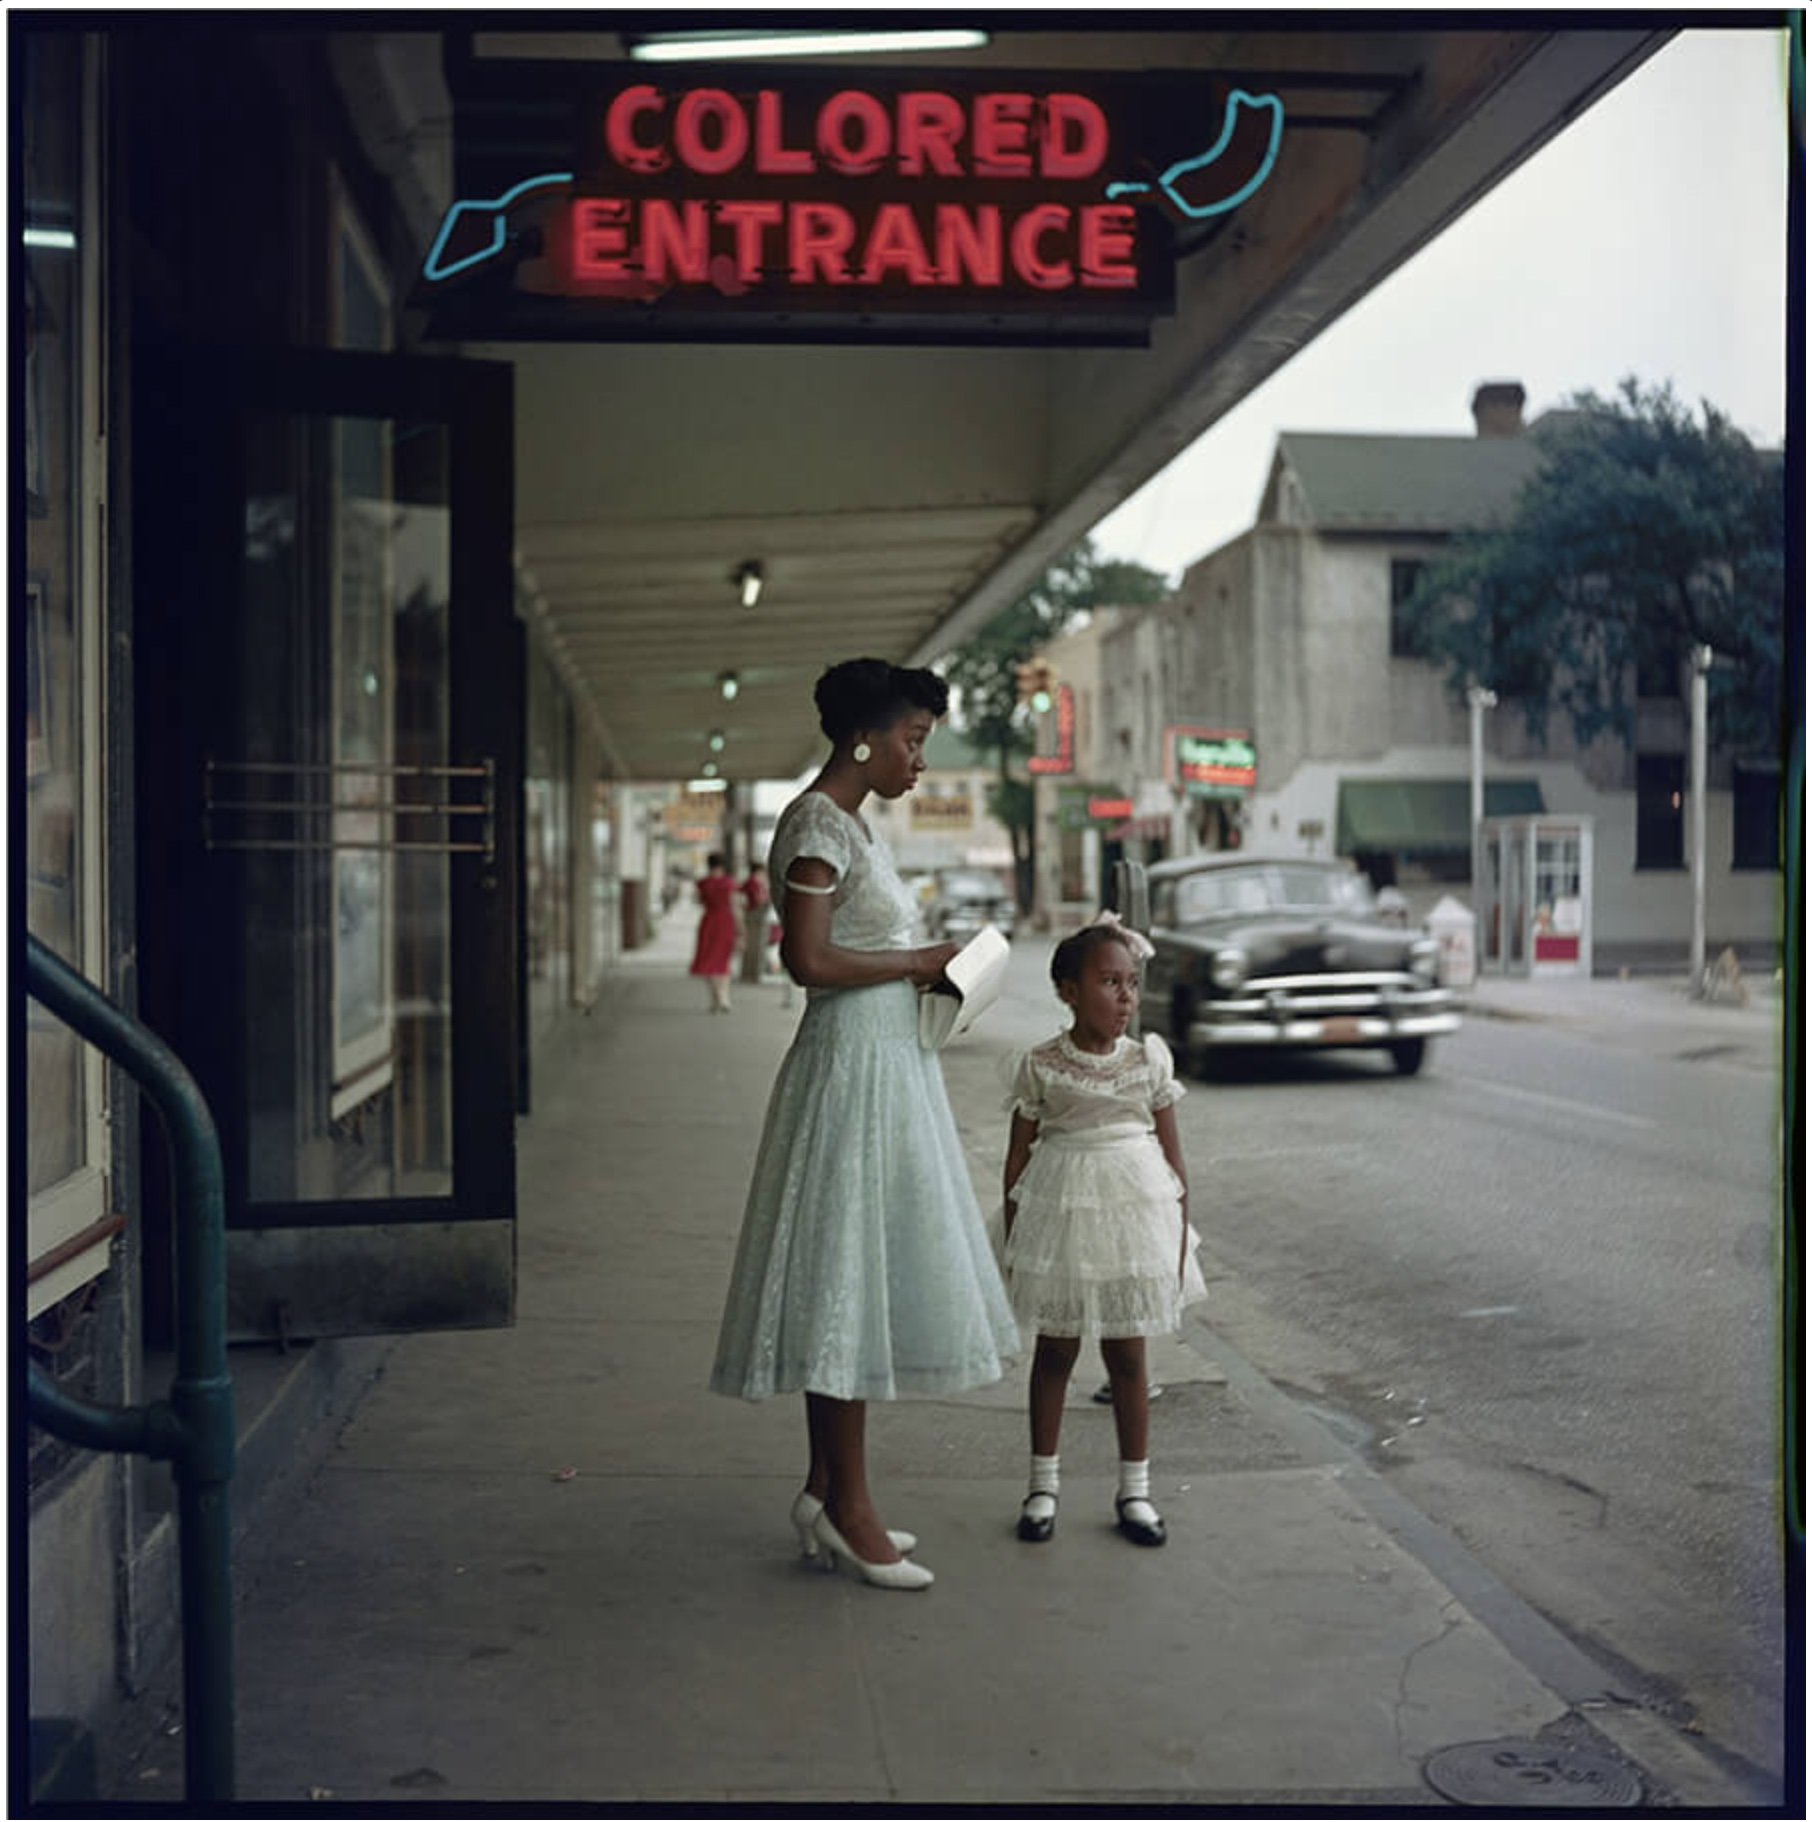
{"points": [[1423, 815]]}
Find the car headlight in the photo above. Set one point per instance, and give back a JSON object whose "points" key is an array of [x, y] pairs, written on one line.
{"points": [[1425, 960], [1227, 969]]}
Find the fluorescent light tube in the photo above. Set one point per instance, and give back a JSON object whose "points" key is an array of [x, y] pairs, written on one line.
{"points": [[700, 48]]}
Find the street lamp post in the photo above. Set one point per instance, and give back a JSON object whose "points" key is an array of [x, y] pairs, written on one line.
{"points": [[1478, 700], [1702, 659]]}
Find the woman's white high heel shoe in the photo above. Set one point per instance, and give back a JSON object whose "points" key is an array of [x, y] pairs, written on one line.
{"points": [[807, 1507], [877, 1575]]}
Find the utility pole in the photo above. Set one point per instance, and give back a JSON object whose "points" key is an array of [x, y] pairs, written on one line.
{"points": [[1702, 660], [1478, 700]]}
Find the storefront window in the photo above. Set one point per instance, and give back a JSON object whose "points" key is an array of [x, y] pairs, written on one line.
{"points": [[62, 474]]}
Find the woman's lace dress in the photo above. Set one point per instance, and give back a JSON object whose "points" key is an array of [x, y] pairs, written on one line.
{"points": [[1097, 1216], [864, 1268]]}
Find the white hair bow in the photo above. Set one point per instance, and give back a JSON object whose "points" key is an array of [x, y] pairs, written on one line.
{"points": [[1138, 943]]}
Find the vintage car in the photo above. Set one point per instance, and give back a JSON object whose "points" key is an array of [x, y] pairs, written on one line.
{"points": [[965, 899], [1285, 952]]}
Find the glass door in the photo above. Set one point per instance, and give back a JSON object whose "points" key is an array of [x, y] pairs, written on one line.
{"points": [[351, 759]]}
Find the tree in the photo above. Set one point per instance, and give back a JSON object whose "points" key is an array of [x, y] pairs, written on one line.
{"points": [[984, 672], [1643, 533]]}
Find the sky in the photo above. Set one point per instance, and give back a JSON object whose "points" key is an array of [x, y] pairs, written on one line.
{"points": [[1633, 242]]}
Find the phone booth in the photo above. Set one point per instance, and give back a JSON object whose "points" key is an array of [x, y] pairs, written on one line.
{"points": [[1535, 900]]}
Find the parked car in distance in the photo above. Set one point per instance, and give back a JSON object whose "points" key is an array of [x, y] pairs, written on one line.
{"points": [[965, 899], [1287, 952]]}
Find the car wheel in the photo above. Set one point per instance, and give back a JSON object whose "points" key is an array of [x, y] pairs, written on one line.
{"points": [[1408, 1053]]}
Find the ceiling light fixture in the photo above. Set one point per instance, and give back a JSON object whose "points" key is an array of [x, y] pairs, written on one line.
{"points": [[716, 742], [709, 782], [708, 771], [697, 47], [58, 240], [729, 683], [749, 577]]}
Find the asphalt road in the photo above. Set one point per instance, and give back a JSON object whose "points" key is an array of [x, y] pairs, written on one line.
{"points": [[1538, 1287]]}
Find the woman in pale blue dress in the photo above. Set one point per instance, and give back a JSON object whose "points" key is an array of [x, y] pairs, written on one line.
{"points": [[863, 1269]]}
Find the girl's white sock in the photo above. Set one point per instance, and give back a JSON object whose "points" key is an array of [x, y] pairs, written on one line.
{"points": [[1041, 1500], [1135, 1492]]}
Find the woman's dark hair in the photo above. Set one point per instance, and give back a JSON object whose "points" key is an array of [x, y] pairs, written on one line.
{"points": [[1070, 955], [716, 860], [871, 693]]}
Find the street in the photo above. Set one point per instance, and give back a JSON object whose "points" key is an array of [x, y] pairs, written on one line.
{"points": [[1537, 1288]]}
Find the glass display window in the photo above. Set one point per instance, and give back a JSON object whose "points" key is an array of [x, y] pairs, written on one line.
{"points": [[63, 478]]}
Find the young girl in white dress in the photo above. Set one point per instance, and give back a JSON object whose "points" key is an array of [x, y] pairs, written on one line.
{"points": [[1097, 1242]]}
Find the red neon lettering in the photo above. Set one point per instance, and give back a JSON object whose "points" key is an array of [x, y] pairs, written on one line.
{"points": [[844, 108], [600, 238], [894, 242], [1027, 232], [968, 244], [699, 106], [619, 129], [750, 220], [1003, 127], [819, 234], [930, 126], [1087, 148], [1105, 247], [771, 157], [676, 241]]}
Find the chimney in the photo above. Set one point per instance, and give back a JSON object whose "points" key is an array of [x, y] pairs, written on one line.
{"points": [[1497, 408]]}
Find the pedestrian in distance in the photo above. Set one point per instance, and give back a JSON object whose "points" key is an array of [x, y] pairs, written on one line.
{"points": [[715, 948], [863, 1269], [755, 914], [1094, 1221]]}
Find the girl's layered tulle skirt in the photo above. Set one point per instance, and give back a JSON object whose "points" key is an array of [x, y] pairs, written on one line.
{"points": [[1097, 1233], [863, 1269]]}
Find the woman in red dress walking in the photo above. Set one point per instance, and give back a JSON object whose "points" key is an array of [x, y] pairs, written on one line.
{"points": [[716, 946]]}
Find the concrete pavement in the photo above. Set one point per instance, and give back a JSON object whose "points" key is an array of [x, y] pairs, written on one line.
{"points": [[449, 1613]]}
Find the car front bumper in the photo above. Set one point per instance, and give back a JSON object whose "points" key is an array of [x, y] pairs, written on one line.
{"points": [[1336, 1015]]}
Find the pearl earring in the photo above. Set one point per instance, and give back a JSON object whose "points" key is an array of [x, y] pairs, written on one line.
{"points": [[862, 753]]}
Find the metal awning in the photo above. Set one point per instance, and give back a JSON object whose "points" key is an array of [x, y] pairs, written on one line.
{"points": [[1423, 815]]}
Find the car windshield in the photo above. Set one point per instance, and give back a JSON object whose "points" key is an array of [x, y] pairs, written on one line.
{"points": [[1233, 890]]}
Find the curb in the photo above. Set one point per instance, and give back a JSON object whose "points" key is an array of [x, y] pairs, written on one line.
{"points": [[1596, 1698]]}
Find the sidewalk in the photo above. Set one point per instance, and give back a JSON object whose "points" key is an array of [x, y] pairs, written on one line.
{"points": [[1656, 1014], [445, 1617]]}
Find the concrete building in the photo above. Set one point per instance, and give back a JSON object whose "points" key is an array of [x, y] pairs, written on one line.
{"points": [[1291, 632]]}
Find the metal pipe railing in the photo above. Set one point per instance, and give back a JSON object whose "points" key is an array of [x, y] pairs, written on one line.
{"points": [[193, 1428]]}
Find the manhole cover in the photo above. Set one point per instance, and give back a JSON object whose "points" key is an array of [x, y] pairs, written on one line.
{"points": [[1495, 1773]]}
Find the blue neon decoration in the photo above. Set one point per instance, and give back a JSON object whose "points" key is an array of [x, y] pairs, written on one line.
{"points": [[433, 271], [1167, 182]]}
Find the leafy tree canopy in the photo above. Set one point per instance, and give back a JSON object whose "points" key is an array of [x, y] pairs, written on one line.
{"points": [[983, 669], [1644, 533]]}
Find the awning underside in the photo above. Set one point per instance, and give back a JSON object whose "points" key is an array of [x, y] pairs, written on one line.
{"points": [[1423, 815]]}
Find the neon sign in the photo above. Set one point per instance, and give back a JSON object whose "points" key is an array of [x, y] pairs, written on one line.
{"points": [[1210, 762], [982, 205]]}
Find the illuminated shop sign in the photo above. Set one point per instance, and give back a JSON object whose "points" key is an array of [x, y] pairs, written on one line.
{"points": [[596, 203], [1210, 762]]}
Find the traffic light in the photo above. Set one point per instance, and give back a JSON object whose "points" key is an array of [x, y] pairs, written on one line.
{"points": [[1037, 684]]}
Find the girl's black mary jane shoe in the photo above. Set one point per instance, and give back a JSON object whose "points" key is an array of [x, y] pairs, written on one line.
{"points": [[1037, 1529], [1141, 1532]]}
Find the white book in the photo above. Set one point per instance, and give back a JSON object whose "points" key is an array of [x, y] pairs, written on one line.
{"points": [[971, 984]]}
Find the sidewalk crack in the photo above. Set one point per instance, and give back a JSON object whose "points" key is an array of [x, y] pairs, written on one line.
{"points": [[1450, 1623]]}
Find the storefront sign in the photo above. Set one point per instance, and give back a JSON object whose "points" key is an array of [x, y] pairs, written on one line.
{"points": [[1210, 762], [1062, 756], [598, 203], [955, 813], [1081, 805]]}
